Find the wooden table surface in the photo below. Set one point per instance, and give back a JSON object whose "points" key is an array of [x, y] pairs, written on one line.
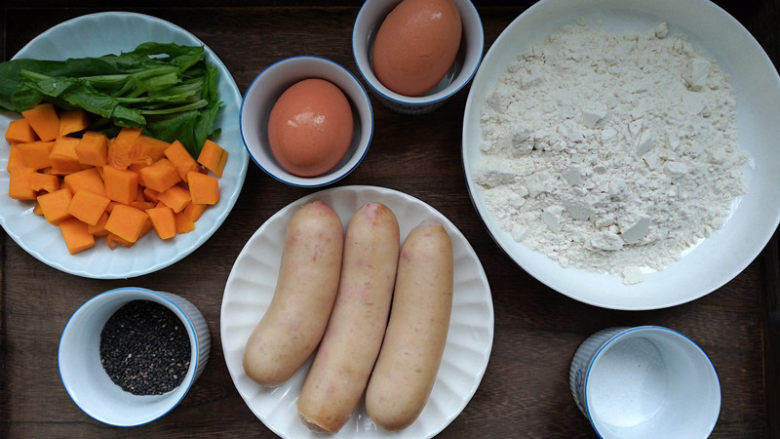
{"points": [[525, 391]]}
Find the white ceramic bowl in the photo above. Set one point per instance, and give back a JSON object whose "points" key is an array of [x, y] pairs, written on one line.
{"points": [[726, 252], [367, 23], [87, 382], [266, 88]]}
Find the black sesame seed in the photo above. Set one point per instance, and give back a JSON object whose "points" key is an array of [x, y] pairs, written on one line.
{"points": [[144, 348]]}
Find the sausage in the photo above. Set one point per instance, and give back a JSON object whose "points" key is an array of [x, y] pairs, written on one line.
{"points": [[417, 332], [338, 376], [296, 319]]}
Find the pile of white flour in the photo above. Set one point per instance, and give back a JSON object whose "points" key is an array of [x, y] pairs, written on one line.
{"points": [[610, 152]]}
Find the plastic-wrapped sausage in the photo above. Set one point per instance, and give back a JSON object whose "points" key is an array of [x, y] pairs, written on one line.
{"points": [[406, 369], [338, 376], [296, 319]]}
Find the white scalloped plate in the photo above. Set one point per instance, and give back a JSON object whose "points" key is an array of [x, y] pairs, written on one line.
{"points": [[96, 35], [251, 284]]}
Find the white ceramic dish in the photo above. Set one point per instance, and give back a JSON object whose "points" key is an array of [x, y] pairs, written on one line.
{"points": [[724, 254], [88, 384], [251, 284], [262, 94], [100, 34]]}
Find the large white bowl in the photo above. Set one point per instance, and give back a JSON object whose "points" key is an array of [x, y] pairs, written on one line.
{"points": [[726, 252], [250, 288], [96, 35]]}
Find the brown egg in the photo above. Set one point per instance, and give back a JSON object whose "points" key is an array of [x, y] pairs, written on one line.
{"points": [[310, 127], [416, 45]]}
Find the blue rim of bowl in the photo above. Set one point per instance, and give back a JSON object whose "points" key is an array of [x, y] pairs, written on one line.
{"points": [[370, 119], [623, 333], [193, 364], [428, 102]]}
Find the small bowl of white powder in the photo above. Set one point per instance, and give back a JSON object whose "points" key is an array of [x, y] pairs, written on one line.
{"points": [[605, 153]]}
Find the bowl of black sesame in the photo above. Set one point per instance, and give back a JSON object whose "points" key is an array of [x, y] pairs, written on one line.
{"points": [[128, 356]]}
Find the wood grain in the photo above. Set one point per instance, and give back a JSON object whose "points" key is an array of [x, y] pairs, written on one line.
{"points": [[525, 390]]}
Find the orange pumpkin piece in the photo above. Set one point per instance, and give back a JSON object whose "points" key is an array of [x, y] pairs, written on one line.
{"points": [[63, 156], [55, 205], [151, 195], [181, 159], [176, 197], [204, 189], [195, 211], [20, 131], [73, 122], [160, 175], [44, 182], [150, 149], [183, 223], [143, 205], [92, 149], [77, 237], [88, 206], [112, 240], [35, 154], [122, 149], [88, 179], [19, 184], [15, 160], [99, 229], [164, 221], [37, 209], [213, 157], [44, 121], [121, 185], [126, 222]]}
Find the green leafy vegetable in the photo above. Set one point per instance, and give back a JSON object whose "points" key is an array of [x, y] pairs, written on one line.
{"points": [[166, 88]]}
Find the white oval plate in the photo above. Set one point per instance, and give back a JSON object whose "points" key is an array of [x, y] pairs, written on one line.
{"points": [[251, 285], [96, 35], [724, 254]]}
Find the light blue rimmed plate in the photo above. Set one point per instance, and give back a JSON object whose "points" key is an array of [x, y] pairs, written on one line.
{"points": [[96, 35]]}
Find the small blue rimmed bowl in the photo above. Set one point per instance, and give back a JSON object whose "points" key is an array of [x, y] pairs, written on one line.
{"points": [[367, 23], [88, 383], [266, 88]]}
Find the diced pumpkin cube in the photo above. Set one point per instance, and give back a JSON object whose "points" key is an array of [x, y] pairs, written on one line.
{"points": [[150, 149], [151, 195], [63, 156], [163, 221], [99, 229], [195, 210], [143, 205], [77, 237], [20, 131], [121, 185], [88, 179], [19, 184], [15, 160], [88, 206], [92, 149], [204, 189], [126, 222], [122, 149], [112, 240], [183, 223], [35, 154], [176, 197], [181, 159], [160, 175], [37, 209], [73, 122], [213, 157], [44, 121], [55, 205], [44, 182]]}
